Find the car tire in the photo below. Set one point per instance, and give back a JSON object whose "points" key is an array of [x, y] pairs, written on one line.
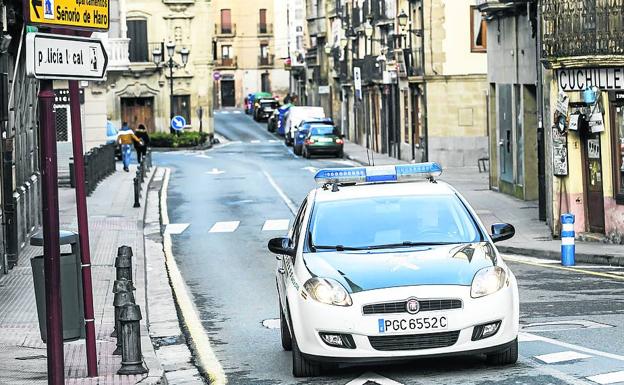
{"points": [[302, 367], [285, 332], [508, 356], [340, 154]]}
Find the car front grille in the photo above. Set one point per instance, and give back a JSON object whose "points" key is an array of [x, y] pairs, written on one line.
{"points": [[400, 307], [414, 341]]}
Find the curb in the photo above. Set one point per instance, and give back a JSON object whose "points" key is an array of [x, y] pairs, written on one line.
{"points": [[592, 259]]}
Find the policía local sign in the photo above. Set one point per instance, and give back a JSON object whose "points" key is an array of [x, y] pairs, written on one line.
{"points": [[65, 57], [82, 14]]}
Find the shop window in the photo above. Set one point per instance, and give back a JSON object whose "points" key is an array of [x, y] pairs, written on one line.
{"points": [[478, 31], [618, 154]]}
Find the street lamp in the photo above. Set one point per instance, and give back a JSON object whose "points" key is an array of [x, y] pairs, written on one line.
{"points": [[403, 19], [157, 57]]}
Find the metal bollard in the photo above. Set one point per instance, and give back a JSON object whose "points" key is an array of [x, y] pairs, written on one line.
{"points": [[567, 240], [122, 299], [131, 354], [123, 263], [137, 191], [120, 286]]}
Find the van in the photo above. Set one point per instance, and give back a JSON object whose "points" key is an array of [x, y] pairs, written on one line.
{"points": [[295, 116]]}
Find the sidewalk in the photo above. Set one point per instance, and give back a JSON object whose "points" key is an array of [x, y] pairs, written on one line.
{"points": [[113, 222], [533, 237]]}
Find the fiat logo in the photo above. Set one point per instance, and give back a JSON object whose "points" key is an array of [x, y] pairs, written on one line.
{"points": [[412, 306]]}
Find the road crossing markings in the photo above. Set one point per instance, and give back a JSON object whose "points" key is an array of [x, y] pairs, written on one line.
{"points": [[576, 347], [276, 225], [274, 141], [176, 228], [237, 112], [224, 227], [204, 156], [555, 358], [526, 337], [608, 378], [289, 203], [371, 378], [215, 171]]}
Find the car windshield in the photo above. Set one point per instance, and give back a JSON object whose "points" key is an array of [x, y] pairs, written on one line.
{"points": [[389, 222], [322, 131]]}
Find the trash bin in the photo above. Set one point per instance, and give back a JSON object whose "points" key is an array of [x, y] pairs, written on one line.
{"points": [[71, 287]]}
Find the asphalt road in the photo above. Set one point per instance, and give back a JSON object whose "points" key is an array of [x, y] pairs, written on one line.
{"points": [[238, 195]]}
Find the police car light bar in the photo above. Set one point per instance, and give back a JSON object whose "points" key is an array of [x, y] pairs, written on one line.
{"points": [[378, 174]]}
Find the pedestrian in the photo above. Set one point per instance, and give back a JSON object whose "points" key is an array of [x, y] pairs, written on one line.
{"points": [[141, 149], [125, 139]]}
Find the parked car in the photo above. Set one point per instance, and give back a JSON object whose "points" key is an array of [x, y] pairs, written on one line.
{"points": [[283, 111], [254, 99], [264, 109], [295, 116], [323, 139], [302, 132]]}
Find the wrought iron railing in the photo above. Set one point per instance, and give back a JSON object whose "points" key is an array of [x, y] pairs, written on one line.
{"points": [[226, 63], [266, 61], [573, 28], [225, 30], [99, 163]]}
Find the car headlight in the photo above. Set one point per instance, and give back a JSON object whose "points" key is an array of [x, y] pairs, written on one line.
{"points": [[328, 291], [487, 281]]}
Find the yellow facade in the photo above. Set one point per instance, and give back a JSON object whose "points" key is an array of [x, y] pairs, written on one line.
{"points": [[138, 88]]}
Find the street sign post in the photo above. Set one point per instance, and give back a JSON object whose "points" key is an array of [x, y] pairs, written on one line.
{"points": [[178, 123], [51, 56], [91, 15]]}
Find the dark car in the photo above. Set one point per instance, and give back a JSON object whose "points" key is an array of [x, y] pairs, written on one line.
{"points": [[302, 132], [264, 109], [323, 139]]}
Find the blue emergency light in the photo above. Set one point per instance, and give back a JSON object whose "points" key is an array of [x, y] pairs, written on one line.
{"points": [[378, 174]]}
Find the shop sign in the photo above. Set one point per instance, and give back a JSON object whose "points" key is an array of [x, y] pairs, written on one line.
{"points": [[560, 152], [92, 15], [357, 82], [578, 79], [563, 103]]}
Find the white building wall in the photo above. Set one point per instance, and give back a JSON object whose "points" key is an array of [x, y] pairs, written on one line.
{"points": [[459, 59]]}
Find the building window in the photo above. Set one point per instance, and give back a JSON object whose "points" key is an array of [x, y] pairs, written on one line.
{"points": [[618, 154], [182, 107], [262, 25], [478, 31], [265, 83], [226, 21], [137, 33], [226, 54]]}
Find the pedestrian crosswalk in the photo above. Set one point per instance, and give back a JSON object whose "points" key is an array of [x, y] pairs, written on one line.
{"points": [[232, 226]]}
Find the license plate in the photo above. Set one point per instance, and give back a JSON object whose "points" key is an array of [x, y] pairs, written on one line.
{"points": [[326, 140], [420, 324]]}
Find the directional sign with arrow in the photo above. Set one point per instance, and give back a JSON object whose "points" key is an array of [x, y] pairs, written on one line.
{"points": [[65, 57], [92, 15]]}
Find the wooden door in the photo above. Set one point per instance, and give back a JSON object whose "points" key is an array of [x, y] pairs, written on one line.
{"points": [[592, 161], [137, 111]]}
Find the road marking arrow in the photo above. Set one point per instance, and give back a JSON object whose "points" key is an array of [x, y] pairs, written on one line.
{"points": [[371, 378], [215, 171]]}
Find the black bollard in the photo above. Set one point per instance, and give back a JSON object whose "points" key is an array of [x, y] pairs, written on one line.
{"points": [[123, 263], [137, 192], [120, 286], [122, 299], [131, 354]]}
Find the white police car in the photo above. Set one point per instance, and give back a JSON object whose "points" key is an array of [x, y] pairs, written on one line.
{"points": [[374, 270]]}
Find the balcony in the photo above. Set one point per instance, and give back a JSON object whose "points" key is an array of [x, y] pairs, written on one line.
{"points": [[228, 63], [225, 30], [317, 26], [266, 61], [579, 33], [118, 51], [492, 6], [265, 29]]}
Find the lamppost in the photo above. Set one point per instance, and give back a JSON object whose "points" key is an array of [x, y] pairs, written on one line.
{"points": [[157, 54]]}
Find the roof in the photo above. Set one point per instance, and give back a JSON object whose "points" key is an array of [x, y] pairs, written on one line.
{"points": [[373, 190]]}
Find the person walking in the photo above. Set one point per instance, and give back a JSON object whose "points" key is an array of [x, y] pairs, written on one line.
{"points": [[125, 139], [141, 149]]}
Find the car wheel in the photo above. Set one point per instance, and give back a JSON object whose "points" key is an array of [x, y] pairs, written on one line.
{"points": [[285, 333], [340, 154], [508, 356], [303, 367]]}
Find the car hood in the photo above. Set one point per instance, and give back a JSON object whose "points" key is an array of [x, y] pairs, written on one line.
{"points": [[379, 269]]}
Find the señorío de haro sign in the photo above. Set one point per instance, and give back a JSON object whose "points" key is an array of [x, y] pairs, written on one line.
{"points": [[76, 14]]}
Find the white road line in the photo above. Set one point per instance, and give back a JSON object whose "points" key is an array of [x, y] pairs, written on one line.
{"points": [[255, 141], [215, 171], [554, 358], [525, 337], [274, 141], [608, 378], [520, 258], [289, 203], [204, 156], [176, 228], [225, 112], [237, 112], [224, 227], [276, 225], [374, 378], [576, 347]]}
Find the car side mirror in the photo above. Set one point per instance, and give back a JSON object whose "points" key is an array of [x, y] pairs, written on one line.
{"points": [[280, 246], [502, 232]]}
